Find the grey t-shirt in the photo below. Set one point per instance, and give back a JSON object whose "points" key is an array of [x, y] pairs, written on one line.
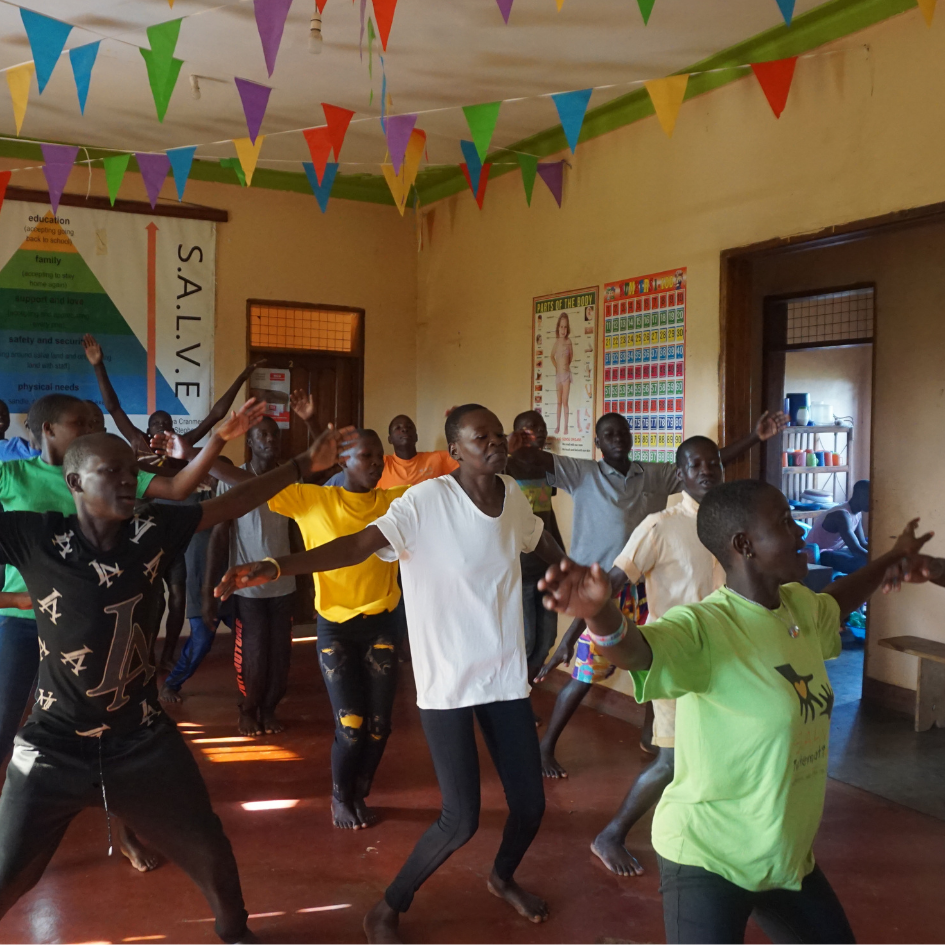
{"points": [[608, 506], [259, 534]]}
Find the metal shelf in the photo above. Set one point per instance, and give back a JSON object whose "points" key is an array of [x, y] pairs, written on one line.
{"points": [[813, 470], [831, 429]]}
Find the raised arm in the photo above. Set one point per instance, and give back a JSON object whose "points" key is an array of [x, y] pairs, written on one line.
{"points": [[548, 548], [528, 462], [138, 440], [303, 406], [220, 409], [767, 426]]}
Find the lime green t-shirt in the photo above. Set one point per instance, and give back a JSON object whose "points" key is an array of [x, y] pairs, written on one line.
{"points": [[31, 485], [752, 728]]}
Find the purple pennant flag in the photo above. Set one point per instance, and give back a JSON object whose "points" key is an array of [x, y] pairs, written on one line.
{"points": [[553, 175], [270, 22], [59, 159], [154, 169], [505, 6], [399, 128], [255, 98]]}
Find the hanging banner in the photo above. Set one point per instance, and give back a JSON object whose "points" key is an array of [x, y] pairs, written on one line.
{"points": [[645, 360], [273, 386], [143, 286], [564, 369]]}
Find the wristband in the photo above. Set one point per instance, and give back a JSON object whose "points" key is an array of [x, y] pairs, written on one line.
{"points": [[614, 638], [275, 564]]}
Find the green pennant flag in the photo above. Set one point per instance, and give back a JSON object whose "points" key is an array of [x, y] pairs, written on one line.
{"points": [[646, 8], [163, 68], [115, 168], [233, 163], [481, 120], [529, 165]]}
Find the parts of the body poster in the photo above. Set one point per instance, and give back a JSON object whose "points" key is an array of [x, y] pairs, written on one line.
{"points": [[143, 286], [564, 369], [645, 360]]}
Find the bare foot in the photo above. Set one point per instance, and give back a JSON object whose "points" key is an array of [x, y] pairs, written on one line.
{"points": [[366, 815], [344, 815], [524, 903], [550, 767], [248, 938], [614, 855], [140, 857], [248, 724], [270, 724], [169, 695], [380, 925]]}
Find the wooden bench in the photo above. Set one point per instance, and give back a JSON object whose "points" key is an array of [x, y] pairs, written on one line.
{"points": [[930, 678]]}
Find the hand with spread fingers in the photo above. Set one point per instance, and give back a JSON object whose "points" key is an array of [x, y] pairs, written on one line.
{"points": [[769, 424], [328, 448], [239, 421], [302, 404], [908, 543], [251, 574], [574, 589], [914, 569]]}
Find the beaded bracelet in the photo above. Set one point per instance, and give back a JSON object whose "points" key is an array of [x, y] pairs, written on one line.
{"points": [[275, 564], [614, 638]]}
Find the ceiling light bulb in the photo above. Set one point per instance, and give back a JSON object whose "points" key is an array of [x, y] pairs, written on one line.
{"points": [[194, 87], [315, 34]]}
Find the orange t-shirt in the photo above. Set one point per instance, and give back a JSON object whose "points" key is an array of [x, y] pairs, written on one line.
{"points": [[410, 472]]}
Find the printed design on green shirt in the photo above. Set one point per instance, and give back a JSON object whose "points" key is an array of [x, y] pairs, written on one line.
{"points": [[810, 702]]}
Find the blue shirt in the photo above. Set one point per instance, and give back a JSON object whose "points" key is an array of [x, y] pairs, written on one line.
{"points": [[16, 448]]}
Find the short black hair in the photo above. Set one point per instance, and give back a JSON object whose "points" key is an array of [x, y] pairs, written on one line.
{"points": [[366, 433], [159, 413], [610, 416], [49, 409], [860, 485], [524, 417], [85, 446], [264, 419], [390, 426], [727, 510], [694, 442], [455, 420]]}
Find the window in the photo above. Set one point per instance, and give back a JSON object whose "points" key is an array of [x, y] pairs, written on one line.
{"points": [[831, 317], [284, 326]]}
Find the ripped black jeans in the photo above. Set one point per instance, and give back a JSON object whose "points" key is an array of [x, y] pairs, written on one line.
{"points": [[359, 666]]}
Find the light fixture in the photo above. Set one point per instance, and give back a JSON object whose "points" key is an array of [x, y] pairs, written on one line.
{"points": [[194, 86], [315, 33]]}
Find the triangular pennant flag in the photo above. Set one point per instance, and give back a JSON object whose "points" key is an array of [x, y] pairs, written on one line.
{"points": [[248, 153], [787, 10], [321, 4], [928, 10], [321, 189], [775, 81], [481, 120], [59, 159], [361, 33], [115, 168], [233, 163], [480, 192], [384, 16], [181, 159], [646, 8], [319, 146], [571, 108], [163, 39], [82, 58], [4, 180], [270, 23], [529, 166], [553, 175], [47, 40], [338, 119], [473, 164], [505, 8], [162, 79], [396, 184], [154, 169], [560, 4], [18, 80], [398, 134], [413, 156], [255, 98], [667, 96]]}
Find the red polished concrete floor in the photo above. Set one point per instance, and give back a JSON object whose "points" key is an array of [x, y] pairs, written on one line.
{"points": [[307, 882]]}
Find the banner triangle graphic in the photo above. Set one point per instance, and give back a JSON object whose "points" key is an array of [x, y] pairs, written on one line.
{"points": [[115, 168], [667, 96], [775, 80], [154, 170], [473, 164], [571, 108], [398, 132], [384, 17], [553, 175], [47, 40], [646, 8], [59, 160], [928, 10], [255, 98], [248, 153], [270, 24], [319, 146], [18, 81], [505, 8], [787, 10], [480, 191], [321, 189]]}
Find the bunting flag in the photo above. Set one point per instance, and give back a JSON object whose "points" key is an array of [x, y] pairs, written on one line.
{"points": [[233, 163], [398, 132], [59, 159], [481, 120], [571, 108], [787, 10], [775, 81], [247, 152], [401, 183], [667, 96], [82, 58], [928, 10], [370, 50], [321, 189], [4, 180], [338, 119], [181, 160], [646, 8], [319, 146], [529, 165], [115, 168], [18, 80], [321, 4], [270, 23], [361, 33], [47, 39], [553, 175], [154, 170], [560, 4], [480, 192], [505, 8], [473, 164], [255, 98], [384, 17], [163, 67]]}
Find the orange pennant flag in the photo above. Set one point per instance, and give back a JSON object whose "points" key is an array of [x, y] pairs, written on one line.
{"points": [[775, 81], [338, 120], [483, 180], [928, 10], [319, 146], [384, 17], [667, 96], [4, 180]]}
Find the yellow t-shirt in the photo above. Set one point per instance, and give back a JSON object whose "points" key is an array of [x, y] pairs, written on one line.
{"points": [[411, 472], [328, 512]]}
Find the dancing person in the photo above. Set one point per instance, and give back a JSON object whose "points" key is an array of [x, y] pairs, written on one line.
{"points": [[17, 447], [839, 533], [734, 831], [562, 354]]}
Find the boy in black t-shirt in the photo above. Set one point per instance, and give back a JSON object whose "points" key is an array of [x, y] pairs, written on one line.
{"points": [[97, 735]]}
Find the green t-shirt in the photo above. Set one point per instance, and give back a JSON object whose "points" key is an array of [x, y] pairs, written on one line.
{"points": [[752, 728], [31, 485]]}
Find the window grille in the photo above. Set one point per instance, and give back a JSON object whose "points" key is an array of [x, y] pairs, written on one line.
{"points": [[832, 317], [307, 329]]}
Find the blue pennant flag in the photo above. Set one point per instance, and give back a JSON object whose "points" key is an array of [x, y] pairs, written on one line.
{"points": [[82, 59], [571, 108], [322, 191], [473, 164], [787, 10], [47, 40], [181, 159]]}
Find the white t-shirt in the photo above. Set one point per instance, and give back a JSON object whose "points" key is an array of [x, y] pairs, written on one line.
{"points": [[462, 582]]}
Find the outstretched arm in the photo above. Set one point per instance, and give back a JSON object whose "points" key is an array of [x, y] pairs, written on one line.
{"points": [[528, 462], [303, 406], [20, 601], [219, 410], [137, 439], [767, 426]]}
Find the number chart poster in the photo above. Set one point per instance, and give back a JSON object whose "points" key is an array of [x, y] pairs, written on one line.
{"points": [[564, 369], [645, 360], [143, 286]]}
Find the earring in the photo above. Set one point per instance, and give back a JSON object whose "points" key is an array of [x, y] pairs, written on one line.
{"points": [[749, 554]]}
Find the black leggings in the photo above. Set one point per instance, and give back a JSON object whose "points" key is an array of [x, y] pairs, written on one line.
{"points": [[509, 732], [263, 650], [359, 666], [701, 906]]}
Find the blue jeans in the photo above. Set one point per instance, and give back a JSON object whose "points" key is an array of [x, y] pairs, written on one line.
{"points": [[19, 661], [191, 656], [846, 562]]}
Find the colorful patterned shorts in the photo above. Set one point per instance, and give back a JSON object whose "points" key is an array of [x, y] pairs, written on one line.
{"points": [[589, 665]]}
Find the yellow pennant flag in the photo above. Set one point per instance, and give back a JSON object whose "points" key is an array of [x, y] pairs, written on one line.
{"points": [[560, 4], [928, 9], [248, 153], [667, 96], [18, 79], [401, 183], [396, 184]]}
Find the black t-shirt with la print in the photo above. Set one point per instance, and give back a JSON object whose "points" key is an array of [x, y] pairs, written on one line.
{"points": [[96, 613]]}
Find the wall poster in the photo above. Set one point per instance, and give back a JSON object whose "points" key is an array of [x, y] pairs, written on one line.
{"points": [[143, 286], [273, 387], [564, 369], [645, 360]]}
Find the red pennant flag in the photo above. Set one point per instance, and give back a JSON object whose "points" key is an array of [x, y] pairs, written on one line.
{"points": [[319, 146], [4, 180], [483, 180], [775, 81], [383, 17], [338, 119], [321, 5]]}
